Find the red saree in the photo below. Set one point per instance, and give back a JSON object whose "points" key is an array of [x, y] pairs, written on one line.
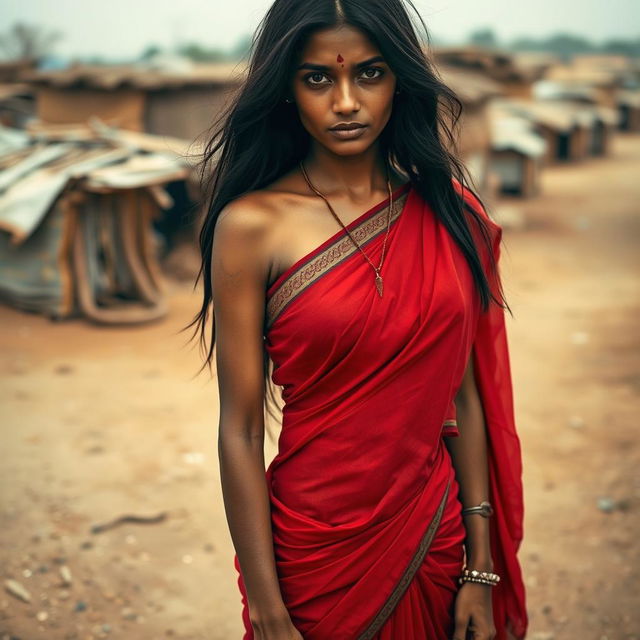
{"points": [[368, 535]]}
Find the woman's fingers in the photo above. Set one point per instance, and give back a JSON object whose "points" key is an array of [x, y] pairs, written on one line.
{"points": [[460, 630]]}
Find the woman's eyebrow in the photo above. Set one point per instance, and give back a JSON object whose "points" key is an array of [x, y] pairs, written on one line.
{"points": [[323, 67]]}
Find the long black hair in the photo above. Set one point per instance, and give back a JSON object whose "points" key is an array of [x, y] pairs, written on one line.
{"points": [[259, 136]]}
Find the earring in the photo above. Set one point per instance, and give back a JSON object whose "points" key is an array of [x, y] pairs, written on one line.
{"points": [[288, 100]]}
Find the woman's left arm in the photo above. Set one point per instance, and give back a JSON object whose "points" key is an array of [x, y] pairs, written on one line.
{"points": [[469, 456], [468, 450]]}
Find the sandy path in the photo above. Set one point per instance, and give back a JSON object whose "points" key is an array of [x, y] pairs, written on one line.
{"points": [[103, 422]]}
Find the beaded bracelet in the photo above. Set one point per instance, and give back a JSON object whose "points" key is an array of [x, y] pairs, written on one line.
{"points": [[484, 577]]}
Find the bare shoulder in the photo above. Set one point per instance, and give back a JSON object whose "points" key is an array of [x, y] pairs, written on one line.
{"points": [[245, 218], [246, 237]]}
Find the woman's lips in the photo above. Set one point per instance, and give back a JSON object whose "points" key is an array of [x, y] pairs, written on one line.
{"points": [[349, 134]]}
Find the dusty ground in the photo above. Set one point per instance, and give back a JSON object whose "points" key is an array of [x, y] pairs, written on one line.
{"points": [[98, 423]]}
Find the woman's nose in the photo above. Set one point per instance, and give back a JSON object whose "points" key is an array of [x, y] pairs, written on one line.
{"points": [[345, 99]]}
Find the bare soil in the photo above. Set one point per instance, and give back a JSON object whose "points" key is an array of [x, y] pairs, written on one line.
{"points": [[104, 422]]}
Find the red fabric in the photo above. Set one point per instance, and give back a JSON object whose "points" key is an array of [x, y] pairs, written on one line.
{"points": [[368, 385]]}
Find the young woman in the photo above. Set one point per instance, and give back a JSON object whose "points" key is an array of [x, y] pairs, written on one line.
{"points": [[349, 254]]}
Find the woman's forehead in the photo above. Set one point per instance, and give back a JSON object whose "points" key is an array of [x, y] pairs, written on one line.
{"points": [[347, 42]]}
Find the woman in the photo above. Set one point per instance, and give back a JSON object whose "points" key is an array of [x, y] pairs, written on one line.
{"points": [[349, 254]]}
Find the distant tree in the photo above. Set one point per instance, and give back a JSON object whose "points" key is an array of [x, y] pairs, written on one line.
{"points": [[622, 47], [198, 53], [240, 50], [484, 38], [564, 45], [524, 43], [25, 41], [150, 51]]}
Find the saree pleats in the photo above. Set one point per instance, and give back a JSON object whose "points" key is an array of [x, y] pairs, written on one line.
{"points": [[367, 530]]}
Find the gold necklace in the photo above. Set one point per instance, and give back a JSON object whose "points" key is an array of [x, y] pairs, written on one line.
{"points": [[378, 280]]}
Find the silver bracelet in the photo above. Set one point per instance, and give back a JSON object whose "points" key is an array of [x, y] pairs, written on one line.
{"points": [[484, 509], [484, 577]]}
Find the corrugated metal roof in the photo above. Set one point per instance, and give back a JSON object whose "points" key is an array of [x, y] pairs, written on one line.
{"points": [[496, 63], [560, 115], [629, 98], [138, 76], [513, 132], [469, 86], [41, 166]]}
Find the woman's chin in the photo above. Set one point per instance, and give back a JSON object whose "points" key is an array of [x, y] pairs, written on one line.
{"points": [[348, 147]]}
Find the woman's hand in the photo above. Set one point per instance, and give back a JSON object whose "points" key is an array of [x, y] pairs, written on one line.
{"points": [[276, 627], [474, 612]]}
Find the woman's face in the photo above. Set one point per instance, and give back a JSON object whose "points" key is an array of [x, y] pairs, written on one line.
{"points": [[341, 79]]}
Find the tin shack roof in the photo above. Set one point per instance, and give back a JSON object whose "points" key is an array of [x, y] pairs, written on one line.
{"points": [[37, 165], [138, 76]]}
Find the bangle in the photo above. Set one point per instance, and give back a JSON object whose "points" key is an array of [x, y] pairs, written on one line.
{"points": [[484, 577], [484, 509]]}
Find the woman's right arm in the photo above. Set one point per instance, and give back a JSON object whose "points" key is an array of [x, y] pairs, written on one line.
{"points": [[239, 273]]}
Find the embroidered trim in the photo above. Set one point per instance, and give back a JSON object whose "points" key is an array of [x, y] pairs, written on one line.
{"points": [[408, 574], [332, 255], [447, 423]]}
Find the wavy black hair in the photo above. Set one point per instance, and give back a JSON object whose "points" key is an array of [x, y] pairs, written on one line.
{"points": [[259, 136]]}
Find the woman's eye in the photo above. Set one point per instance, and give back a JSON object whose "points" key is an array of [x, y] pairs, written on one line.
{"points": [[315, 78], [371, 73]]}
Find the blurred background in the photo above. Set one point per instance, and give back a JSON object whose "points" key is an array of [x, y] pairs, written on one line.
{"points": [[112, 517]]}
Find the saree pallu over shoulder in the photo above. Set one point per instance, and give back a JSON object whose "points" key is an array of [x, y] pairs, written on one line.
{"points": [[492, 372], [362, 488]]}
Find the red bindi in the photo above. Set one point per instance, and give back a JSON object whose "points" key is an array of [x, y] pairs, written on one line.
{"points": [[340, 58]]}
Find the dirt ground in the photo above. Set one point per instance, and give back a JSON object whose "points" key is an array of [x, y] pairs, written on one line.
{"points": [[104, 422]]}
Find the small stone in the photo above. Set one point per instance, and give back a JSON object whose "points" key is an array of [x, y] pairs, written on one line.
{"points": [[187, 559], [582, 223], [193, 457], [606, 504], [542, 635], [41, 616], [576, 422], [579, 337], [128, 613], [80, 606], [17, 590], [65, 574], [63, 369]]}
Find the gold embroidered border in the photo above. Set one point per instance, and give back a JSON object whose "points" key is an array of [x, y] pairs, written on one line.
{"points": [[450, 423], [342, 248], [410, 571]]}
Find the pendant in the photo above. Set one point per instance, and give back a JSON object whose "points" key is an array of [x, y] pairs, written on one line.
{"points": [[379, 284]]}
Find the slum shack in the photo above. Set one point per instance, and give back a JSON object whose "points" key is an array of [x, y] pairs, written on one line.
{"points": [[517, 152], [168, 96], [77, 212], [475, 91]]}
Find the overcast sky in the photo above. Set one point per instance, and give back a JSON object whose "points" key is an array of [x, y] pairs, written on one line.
{"points": [[123, 28]]}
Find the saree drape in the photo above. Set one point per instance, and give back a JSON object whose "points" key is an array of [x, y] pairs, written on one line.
{"points": [[368, 534]]}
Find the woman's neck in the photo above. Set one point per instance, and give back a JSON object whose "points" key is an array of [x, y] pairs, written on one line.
{"points": [[357, 177]]}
